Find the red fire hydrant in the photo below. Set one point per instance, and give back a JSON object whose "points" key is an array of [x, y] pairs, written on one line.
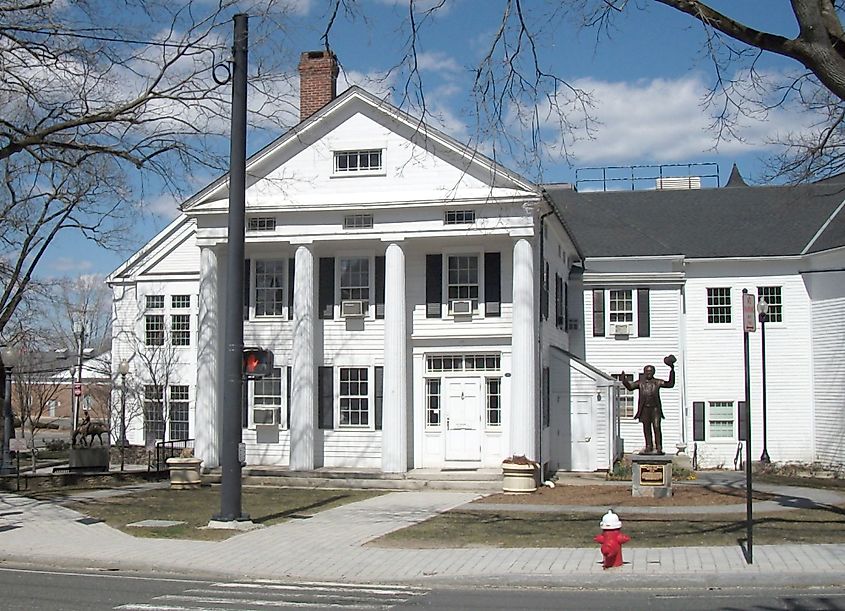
{"points": [[611, 540]]}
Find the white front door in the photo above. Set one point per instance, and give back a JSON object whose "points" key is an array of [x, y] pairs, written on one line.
{"points": [[582, 435], [463, 418]]}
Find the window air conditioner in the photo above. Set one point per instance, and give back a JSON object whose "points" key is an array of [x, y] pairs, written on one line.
{"points": [[620, 329], [462, 306], [352, 308], [264, 415]]}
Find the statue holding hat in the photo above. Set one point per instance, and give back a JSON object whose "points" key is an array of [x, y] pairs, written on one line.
{"points": [[649, 407]]}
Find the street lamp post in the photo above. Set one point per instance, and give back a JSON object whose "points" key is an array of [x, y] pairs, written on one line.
{"points": [[122, 369], [763, 313], [79, 334], [9, 355]]}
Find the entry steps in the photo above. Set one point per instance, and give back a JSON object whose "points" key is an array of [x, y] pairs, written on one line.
{"points": [[477, 480]]}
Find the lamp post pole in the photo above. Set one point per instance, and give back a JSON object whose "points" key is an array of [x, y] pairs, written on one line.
{"points": [[763, 311], [79, 333], [9, 356], [122, 369]]}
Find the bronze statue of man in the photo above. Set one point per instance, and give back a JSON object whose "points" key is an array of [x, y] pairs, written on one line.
{"points": [[649, 408]]}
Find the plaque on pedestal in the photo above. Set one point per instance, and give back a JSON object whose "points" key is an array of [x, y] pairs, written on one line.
{"points": [[651, 475]]}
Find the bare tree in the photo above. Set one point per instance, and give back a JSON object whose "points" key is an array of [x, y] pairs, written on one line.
{"points": [[36, 390], [158, 371], [516, 94], [96, 90]]}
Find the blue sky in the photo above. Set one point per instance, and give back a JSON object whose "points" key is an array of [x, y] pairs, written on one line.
{"points": [[648, 78]]}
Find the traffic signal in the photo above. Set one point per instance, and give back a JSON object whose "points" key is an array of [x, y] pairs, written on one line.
{"points": [[257, 363]]}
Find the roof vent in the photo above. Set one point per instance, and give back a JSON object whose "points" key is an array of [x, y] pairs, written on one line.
{"points": [[678, 182]]}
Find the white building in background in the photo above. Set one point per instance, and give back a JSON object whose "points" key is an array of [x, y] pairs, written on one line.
{"points": [[413, 292], [664, 272]]}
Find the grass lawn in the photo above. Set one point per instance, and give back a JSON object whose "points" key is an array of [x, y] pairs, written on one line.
{"points": [[195, 508], [525, 529], [468, 527]]}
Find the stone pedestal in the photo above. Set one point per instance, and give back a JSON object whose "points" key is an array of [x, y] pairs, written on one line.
{"points": [[651, 475], [89, 459]]}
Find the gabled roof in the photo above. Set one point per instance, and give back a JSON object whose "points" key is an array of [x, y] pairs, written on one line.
{"points": [[705, 223], [179, 230], [267, 159]]}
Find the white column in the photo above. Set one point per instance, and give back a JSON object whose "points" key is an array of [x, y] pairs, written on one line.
{"points": [[394, 439], [206, 417], [303, 389], [522, 415]]}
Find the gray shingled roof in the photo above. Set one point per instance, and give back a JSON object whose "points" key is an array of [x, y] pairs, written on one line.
{"points": [[735, 222]]}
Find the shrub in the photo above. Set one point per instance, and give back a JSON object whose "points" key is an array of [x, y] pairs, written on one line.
{"points": [[57, 445]]}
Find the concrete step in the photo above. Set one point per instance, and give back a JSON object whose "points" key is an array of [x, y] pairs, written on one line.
{"points": [[464, 480]]}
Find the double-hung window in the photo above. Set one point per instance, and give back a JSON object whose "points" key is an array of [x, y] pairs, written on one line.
{"points": [[353, 397], [626, 397], [178, 411], [269, 291], [719, 305], [267, 398], [462, 279], [720, 419], [154, 320], [180, 323], [355, 280], [621, 306], [154, 423], [774, 298]]}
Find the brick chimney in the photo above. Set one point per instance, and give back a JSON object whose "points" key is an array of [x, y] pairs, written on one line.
{"points": [[318, 72]]}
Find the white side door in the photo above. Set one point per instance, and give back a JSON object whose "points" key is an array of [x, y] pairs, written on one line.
{"points": [[463, 418], [583, 450]]}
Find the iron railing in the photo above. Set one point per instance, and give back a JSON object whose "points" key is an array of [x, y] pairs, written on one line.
{"points": [[169, 449]]}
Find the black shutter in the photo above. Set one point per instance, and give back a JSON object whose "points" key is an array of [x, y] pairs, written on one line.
{"points": [[643, 313], [326, 299], [558, 301], [287, 401], [246, 287], [379, 396], [742, 414], [544, 293], [433, 285], [698, 420], [291, 278], [325, 398], [244, 404], [598, 312], [492, 284], [379, 287], [565, 326]]}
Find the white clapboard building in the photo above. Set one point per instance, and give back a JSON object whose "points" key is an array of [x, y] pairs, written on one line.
{"points": [[413, 292], [663, 273]]}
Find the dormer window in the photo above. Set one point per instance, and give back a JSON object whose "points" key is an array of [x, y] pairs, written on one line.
{"points": [[351, 162]]}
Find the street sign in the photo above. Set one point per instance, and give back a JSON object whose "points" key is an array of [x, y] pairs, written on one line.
{"points": [[17, 445], [749, 313], [77, 389]]}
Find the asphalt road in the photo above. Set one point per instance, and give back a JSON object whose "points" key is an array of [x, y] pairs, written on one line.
{"points": [[45, 589]]}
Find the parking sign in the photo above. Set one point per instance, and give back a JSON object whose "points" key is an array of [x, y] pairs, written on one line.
{"points": [[749, 313]]}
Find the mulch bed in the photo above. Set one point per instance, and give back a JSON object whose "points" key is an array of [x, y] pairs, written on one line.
{"points": [[616, 495]]}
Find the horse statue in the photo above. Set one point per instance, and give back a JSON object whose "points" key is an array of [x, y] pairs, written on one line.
{"points": [[88, 430]]}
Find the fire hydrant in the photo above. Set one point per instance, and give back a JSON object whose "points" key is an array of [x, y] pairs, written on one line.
{"points": [[611, 540]]}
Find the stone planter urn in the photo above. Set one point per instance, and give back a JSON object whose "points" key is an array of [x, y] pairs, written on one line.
{"points": [[519, 475], [184, 472]]}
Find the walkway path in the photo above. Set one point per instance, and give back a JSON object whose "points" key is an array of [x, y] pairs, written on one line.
{"points": [[332, 545]]}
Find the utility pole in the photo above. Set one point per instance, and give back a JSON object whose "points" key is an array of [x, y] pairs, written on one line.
{"points": [[230, 440]]}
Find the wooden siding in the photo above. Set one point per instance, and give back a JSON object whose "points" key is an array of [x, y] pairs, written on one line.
{"points": [[612, 356], [828, 329], [715, 370]]}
